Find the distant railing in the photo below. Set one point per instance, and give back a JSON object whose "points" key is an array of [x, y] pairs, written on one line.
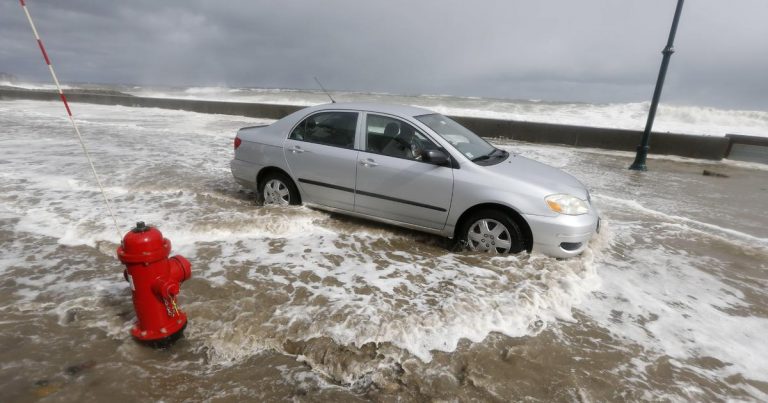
{"points": [[747, 148]]}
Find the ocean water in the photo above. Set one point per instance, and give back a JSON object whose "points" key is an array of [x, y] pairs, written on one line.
{"points": [[684, 119], [669, 301]]}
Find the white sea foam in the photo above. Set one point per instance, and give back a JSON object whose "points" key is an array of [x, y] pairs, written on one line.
{"points": [[685, 119], [31, 86], [674, 303], [671, 304], [699, 227], [336, 281], [447, 301]]}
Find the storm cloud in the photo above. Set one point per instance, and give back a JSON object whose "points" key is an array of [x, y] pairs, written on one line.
{"points": [[557, 50]]}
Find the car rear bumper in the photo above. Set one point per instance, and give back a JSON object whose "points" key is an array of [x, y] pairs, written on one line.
{"points": [[563, 236], [244, 173]]}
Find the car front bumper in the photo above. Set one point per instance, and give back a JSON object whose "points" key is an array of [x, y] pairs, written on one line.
{"points": [[563, 236]]}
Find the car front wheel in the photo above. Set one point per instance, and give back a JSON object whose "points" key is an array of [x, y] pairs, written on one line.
{"points": [[278, 189], [491, 231]]}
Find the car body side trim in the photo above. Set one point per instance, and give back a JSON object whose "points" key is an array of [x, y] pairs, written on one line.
{"points": [[378, 196], [396, 200], [326, 185]]}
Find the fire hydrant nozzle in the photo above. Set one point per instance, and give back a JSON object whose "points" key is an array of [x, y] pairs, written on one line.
{"points": [[155, 280]]}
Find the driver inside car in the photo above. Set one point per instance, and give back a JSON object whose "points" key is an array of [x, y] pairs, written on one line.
{"points": [[405, 144]]}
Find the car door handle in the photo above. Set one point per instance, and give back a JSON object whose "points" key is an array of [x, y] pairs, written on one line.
{"points": [[296, 150], [368, 163]]}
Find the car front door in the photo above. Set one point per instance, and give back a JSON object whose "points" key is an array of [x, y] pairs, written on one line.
{"points": [[393, 182], [321, 156]]}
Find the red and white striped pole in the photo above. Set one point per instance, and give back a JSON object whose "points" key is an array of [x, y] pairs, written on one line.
{"points": [[71, 118]]}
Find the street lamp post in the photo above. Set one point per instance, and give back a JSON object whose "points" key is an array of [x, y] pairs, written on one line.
{"points": [[642, 149]]}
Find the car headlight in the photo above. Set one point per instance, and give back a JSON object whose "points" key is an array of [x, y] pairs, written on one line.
{"points": [[567, 204]]}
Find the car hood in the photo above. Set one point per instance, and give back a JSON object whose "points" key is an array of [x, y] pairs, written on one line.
{"points": [[550, 179]]}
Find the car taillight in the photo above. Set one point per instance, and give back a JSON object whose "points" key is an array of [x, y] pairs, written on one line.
{"points": [[237, 142]]}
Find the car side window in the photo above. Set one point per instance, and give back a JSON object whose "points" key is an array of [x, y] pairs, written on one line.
{"points": [[329, 128], [395, 138]]}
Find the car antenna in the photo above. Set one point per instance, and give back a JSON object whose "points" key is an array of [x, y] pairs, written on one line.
{"points": [[324, 90]]}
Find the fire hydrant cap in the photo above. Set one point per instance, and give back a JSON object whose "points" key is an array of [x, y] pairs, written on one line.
{"points": [[143, 244], [140, 227]]}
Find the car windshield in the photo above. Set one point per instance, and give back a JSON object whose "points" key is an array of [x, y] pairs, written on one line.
{"points": [[461, 138]]}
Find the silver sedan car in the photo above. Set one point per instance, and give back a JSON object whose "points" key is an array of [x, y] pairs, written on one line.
{"points": [[417, 169]]}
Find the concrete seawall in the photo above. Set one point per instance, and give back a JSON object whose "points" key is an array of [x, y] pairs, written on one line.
{"points": [[707, 147], [268, 111], [694, 146]]}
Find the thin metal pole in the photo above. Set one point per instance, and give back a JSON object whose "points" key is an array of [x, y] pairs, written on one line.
{"points": [[642, 149], [72, 120]]}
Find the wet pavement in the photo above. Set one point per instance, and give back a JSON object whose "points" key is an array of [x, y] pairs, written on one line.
{"points": [[668, 303]]}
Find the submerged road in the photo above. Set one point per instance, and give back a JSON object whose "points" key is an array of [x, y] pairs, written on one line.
{"points": [[670, 302]]}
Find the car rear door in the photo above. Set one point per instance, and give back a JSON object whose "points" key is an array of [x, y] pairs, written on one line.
{"points": [[321, 155], [393, 183]]}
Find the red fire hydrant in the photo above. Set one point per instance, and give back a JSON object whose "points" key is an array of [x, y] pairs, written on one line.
{"points": [[154, 280]]}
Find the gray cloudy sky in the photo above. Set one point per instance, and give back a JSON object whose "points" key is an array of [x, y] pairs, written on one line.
{"points": [[558, 50]]}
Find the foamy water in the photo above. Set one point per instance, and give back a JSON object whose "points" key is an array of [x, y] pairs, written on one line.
{"points": [[685, 119], [672, 118], [668, 302]]}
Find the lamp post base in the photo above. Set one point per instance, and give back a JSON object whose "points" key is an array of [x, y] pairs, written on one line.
{"points": [[639, 164]]}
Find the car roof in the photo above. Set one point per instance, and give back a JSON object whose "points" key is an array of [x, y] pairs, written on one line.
{"points": [[392, 109]]}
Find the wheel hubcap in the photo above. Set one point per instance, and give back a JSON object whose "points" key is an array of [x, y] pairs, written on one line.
{"points": [[275, 192], [489, 235]]}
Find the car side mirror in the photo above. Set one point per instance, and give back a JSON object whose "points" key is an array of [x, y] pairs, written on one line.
{"points": [[437, 157]]}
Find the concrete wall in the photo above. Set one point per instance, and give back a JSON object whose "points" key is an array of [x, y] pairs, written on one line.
{"points": [[748, 148], [268, 111], [707, 147]]}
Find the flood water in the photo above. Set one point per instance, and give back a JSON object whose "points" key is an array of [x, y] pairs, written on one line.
{"points": [[670, 302]]}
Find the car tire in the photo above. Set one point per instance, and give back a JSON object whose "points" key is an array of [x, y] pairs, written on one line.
{"points": [[278, 189], [491, 231]]}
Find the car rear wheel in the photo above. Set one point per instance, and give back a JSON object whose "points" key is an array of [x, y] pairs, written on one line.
{"points": [[278, 189], [491, 231]]}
